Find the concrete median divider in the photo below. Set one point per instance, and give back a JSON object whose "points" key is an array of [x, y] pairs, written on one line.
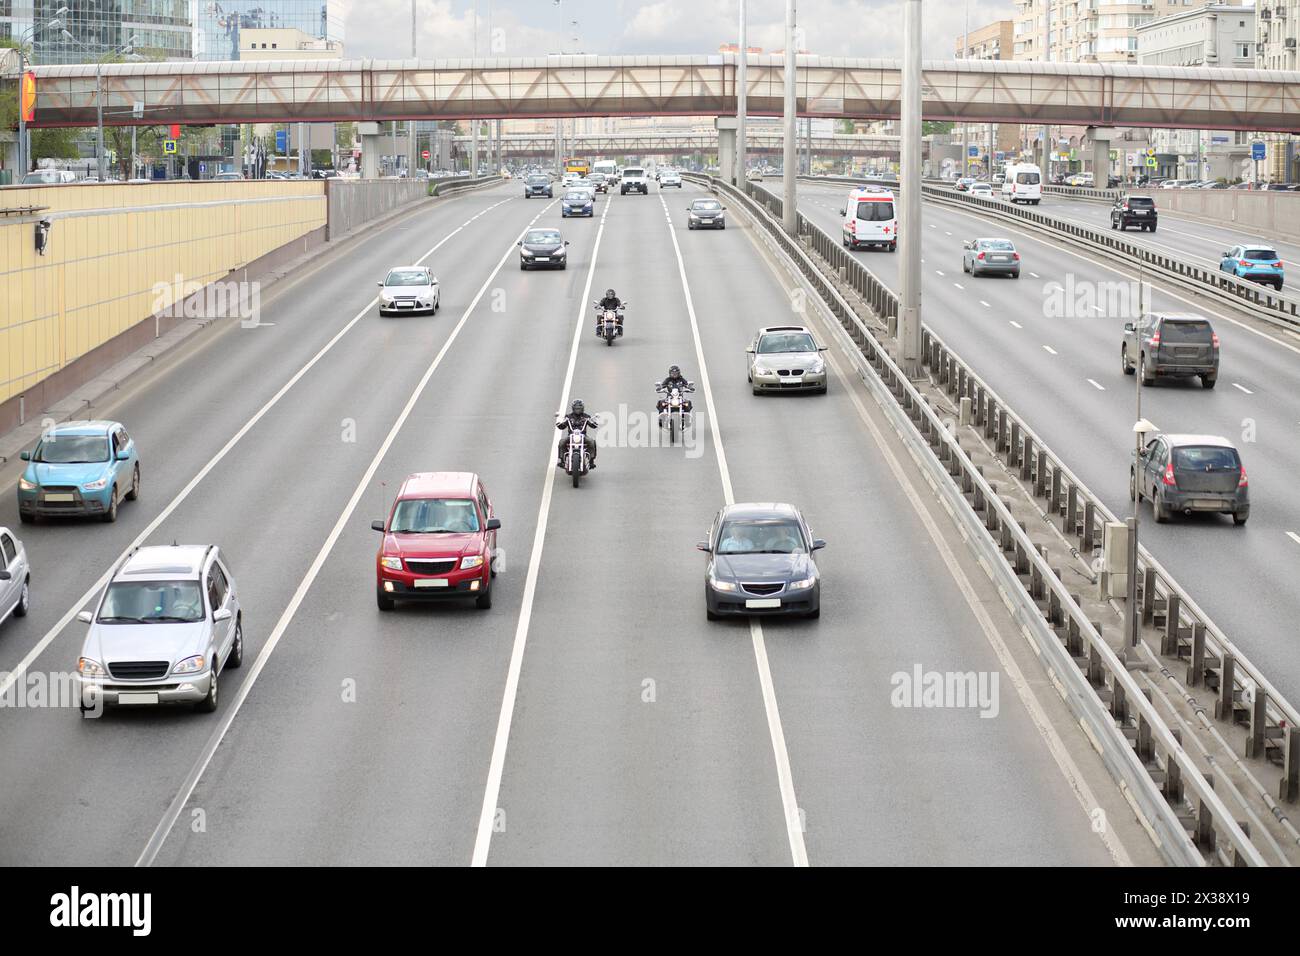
{"points": [[1189, 821]]}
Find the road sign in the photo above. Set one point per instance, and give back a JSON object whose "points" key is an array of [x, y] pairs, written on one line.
{"points": [[1151, 150], [999, 156], [281, 141], [176, 131], [1257, 151], [972, 150], [1151, 161], [203, 168], [169, 146], [424, 154]]}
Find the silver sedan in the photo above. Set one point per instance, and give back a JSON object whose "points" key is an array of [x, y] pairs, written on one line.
{"points": [[984, 256], [786, 358]]}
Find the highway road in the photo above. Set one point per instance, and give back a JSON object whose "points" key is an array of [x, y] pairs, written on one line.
{"points": [[1062, 373], [592, 711]]}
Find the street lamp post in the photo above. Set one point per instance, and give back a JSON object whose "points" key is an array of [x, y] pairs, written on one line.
{"points": [[1141, 428], [742, 91], [790, 157], [910, 123], [54, 23]]}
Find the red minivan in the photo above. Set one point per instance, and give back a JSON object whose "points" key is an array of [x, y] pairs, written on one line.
{"points": [[439, 541]]}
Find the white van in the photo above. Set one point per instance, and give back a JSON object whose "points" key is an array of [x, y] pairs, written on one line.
{"points": [[609, 168], [870, 218], [1023, 183]]}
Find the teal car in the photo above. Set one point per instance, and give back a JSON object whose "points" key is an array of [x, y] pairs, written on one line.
{"points": [[79, 468], [1256, 263]]}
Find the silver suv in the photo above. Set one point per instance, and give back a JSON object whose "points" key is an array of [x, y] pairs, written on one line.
{"points": [[166, 626]]}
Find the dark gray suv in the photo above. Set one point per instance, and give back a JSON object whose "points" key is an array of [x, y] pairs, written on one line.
{"points": [[1190, 473], [1171, 346]]}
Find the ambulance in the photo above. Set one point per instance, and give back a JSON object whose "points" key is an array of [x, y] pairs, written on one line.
{"points": [[870, 218]]}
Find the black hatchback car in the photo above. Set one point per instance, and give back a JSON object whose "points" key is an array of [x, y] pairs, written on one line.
{"points": [[538, 186], [1190, 473], [543, 249], [1171, 346], [761, 563], [1137, 211]]}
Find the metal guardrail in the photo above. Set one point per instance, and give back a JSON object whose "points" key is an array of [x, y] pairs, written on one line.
{"points": [[442, 187], [1138, 748]]}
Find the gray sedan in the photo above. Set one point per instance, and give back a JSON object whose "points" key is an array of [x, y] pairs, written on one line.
{"points": [[786, 358], [761, 562], [981, 256], [15, 576]]}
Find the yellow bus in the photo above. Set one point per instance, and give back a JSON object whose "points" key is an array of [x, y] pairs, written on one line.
{"points": [[579, 166]]}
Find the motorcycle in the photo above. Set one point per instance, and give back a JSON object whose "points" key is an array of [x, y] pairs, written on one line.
{"points": [[576, 461], [673, 413], [611, 323]]}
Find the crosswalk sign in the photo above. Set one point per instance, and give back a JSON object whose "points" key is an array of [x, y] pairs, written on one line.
{"points": [[169, 146]]}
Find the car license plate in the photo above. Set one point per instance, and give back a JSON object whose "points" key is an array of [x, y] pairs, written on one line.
{"points": [[137, 698], [997, 258], [790, 379], [763, 602], [542, 259], [1139, 212], [58, 496], [431, 582], [1207, 503]]}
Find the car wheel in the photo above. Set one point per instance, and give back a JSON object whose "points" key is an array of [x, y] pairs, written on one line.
{"points": [[24, 600], [237, 649], [709, 615], [1132, 485], [1148, 378], [815, 613], [209, 703], [111, 514], [893, 247], [26, 518], [1238, 520], [757, 390], [523, 267], [1151, 228], [1113, 224], [384, 600], [484, 601], [690, 225], [1209, 381], [134, 493], [1123, 360], [1158, 507]]}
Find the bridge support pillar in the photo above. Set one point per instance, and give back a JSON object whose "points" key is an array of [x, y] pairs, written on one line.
{"points": [[1100, 155], [368, 133], [726, 126]]}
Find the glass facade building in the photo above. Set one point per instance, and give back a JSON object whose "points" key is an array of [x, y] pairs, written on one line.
{"points": [[163, 28], [217, 22]]}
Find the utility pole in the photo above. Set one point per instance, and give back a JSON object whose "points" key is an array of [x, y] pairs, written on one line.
{"points": [[473, 135], [965, 126], [790, 158], [909, 179], [411, 152], [742, 94], [1047, 58]]}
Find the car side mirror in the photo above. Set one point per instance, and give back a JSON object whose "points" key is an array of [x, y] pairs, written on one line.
{"points": [[703, 546], [85, 617], [818, 544], [25, 455], [493, 524], [841, 212], [221, 614], [566, 242], [1227, 255], [5, 575], [124, 454], [822, 348], [1130, 327], [519, 243], [376, 526], [380, 284], [750, 350]]}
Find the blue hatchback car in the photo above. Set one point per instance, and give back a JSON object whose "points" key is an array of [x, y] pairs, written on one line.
{"points": [[1256, 263], [79, 468], [577, 203]]}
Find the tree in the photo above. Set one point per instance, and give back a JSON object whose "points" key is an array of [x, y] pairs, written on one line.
{"points": [[846, 126], [54, 144], [935, 126], [148, 143]]}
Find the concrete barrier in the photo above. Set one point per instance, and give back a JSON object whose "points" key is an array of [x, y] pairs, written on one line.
{"points": [[1265, 215], [355, 202]]}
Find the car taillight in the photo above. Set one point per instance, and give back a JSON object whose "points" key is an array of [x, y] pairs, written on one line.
{"points": [[1242, 482], [1214, 339], [1169, 475], [1243, 262], [980, 256], [1016, 256], [1155, 340], [1277, 265]]}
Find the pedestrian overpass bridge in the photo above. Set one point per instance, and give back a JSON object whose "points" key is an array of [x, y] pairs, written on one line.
{"points": [[987, 91], [650, 142]]}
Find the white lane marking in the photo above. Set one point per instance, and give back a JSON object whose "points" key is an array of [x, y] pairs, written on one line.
{"points": [[1049, 349], [784, 775], [1099, 308], [1015, 323], [1042, 723], [1293, 536], [985, 304], [49, 636], [1243, 388], [932, 225], [938, 272], [497, 764], [159, 837], [947, 233], [1097, 385], [959, 285], [1034, 274]]}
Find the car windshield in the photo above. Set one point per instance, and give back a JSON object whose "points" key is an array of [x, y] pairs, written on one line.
{"points": [[706, 204], [407, 277], [1027, 179], [596, 177], [42, 177], [152, 602], [434, 516], [1000, 245], [1261, 255], [761, 536], [576, 197], [1183, 330], [876, 210], [542, 237], [72, 449], [537, 180], [786, 342], [633, 172], [1206, 458]]}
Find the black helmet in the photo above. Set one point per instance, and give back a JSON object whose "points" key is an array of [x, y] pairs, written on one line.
{"points": [[674, 372], [609, 294], [577, 408]]}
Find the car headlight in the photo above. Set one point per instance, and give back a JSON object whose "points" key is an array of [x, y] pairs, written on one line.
{"points": [[761, 369], [89, 668], [96, 485], [802, 585], [817, 366], [471, 561], [721, 585], [386, 298], [25, 485], [191, 665], [392, 563], [694, 217]]}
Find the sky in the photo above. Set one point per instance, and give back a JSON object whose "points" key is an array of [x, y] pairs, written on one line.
{"points": [[518, 28]]}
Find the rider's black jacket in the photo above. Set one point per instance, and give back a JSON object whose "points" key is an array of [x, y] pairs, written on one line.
{"points": [[608, 303], [577, 422], [678, 382]]}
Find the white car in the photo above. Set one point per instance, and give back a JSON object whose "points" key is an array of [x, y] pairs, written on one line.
{"points": [[409, 289], [983, 190], [15, 576], [634, 180], [670, 177]]}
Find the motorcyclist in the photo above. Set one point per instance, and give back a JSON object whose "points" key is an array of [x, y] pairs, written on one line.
{"points": [[610, 303], [675, 380], [577, 420]]}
